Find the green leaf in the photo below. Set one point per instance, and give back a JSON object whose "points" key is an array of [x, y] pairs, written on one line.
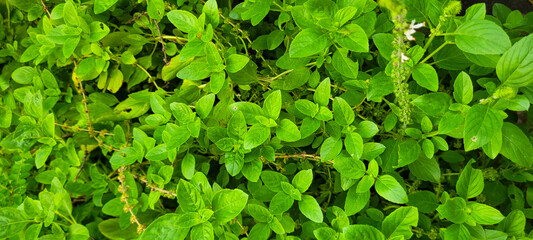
{"points": [[258, 10], [204, 105], [515, 67], [306, 107], [470, 183], [426, 76], [280, 203], [227, 204], [302, 180], [308, 42], [354, 145], [188, 166], [479, 36], [355, 202], [383, 42], [288, 131], [463, 90], [349, 167], [42, 155], [24, 75], [426, 169], [367, 129], [256, 136], [457, 232], [78, 232], [344, 65], [344, 115], [211, 12], [237, 126], [322, 93], [11, 222], [408, 152], [485, 214], [516, 145], [272, 104], [166, 227], [425, 201], [388, 188], [360, 231], [101, 6], [399, 222], [183, 20], [156, 9], [189, 197], [252, 170], [481, 123], [330, 148], [234, 162], [259, 213], [273, 180], [203, 231], [260, 231], [295, 79], [70, 13], [353, 38], [325, 233], [453, 210], [236, 62], [309, 207]]}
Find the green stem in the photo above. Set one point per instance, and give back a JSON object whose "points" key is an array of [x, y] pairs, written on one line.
{"points": [[433, 34], [434, 52]]}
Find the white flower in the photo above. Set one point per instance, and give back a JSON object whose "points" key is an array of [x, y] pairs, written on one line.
{"points": [[412, 29], [404, 58]]}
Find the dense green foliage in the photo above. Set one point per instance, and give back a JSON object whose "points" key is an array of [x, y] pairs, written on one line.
{"points": [[265, 119]]}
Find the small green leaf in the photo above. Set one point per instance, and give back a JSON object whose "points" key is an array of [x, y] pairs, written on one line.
{"points": [[426, 76], [156, 9], [388, 188], [189, 197], [481, 123], [280, 203], [183, 20], [288, 131], [227, 204], [302, 180], [308, 42], [309, 207], [204, 105], [24, 75], [470, 183], [463, 90], [344, 65], [188, 165], [272, 104], [101, 6], [344, 115], [256, 136], [360, 231], [485, 214], [516, 145], [322, 93], [399, 222], [236, 62]]}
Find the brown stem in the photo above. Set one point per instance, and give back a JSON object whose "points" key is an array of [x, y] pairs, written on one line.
{"points": [[242, 227], [45, 8], [85, 156], [162, 42]]}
